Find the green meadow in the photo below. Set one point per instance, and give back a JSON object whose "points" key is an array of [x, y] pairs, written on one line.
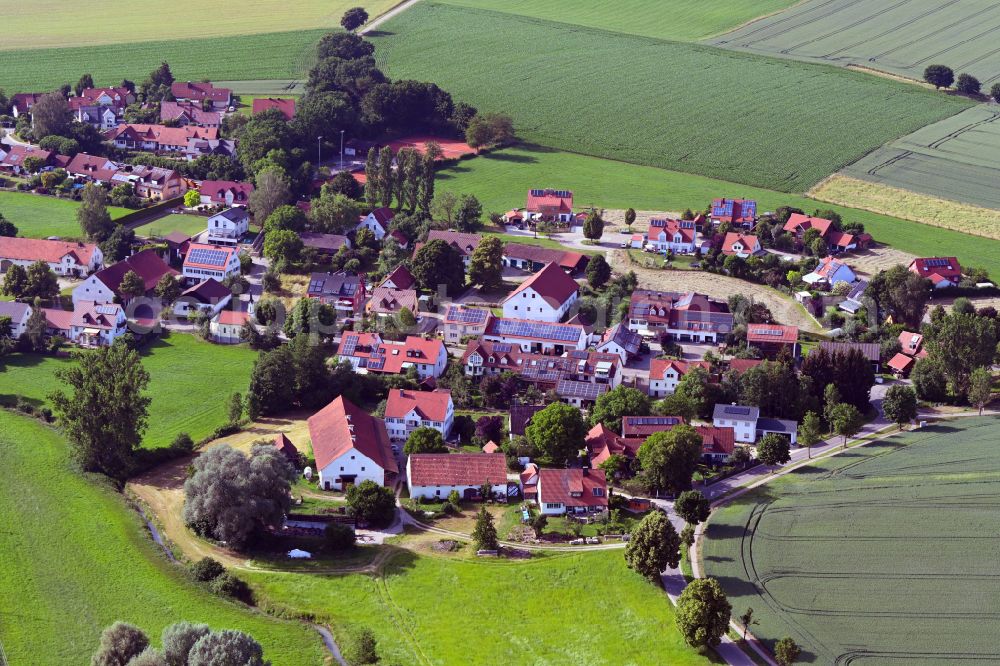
{"points": [[38, 216]]}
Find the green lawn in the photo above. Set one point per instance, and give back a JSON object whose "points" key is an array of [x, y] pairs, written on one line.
{"points": [[677, 19], [188, 224], [501, 181], [541, 241], [557, 609], [887, 553], [39, 217], [76, 558], [190, 383], [763, 121]]}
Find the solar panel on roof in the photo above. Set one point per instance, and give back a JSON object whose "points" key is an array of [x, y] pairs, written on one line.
{"points": [[350, 344], [537, 330], [466, 316], [208, 257], [583, 390], [732, 409], [376, 363], [502, 347]]}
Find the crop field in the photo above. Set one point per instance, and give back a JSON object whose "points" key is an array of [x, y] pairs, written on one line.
{"points": [[190, 383], [957, 158], [275, 55], [682, 20], [581, 608], [884, 554], [889, 35], [76, 558], [610, 95], [501, 180], [40, 217]]}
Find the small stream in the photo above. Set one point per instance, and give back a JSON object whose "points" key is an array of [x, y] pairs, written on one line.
{"points": [[156, 534], [331, 644]]}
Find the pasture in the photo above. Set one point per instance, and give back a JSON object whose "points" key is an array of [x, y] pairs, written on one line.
{"points": [[897, 37], [275, 55], [76, 558], [682, 20], [887, 553], [579, 608], [40, 217], [502, 178], [713, 112], [190, 383], [957, 158]]}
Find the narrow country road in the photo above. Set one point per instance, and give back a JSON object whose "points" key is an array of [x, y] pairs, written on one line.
{"points": [[398, 9]]}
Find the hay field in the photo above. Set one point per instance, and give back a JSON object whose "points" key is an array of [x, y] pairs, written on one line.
{"points": [[884, 554], [897, 37]]}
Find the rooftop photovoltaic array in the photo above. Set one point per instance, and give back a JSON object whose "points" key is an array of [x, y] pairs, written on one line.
{"points": [[651, 420], [466, 315], [106, 309], [502, 348], [554, 193], [582, 390], [735, 409], [527, 329], [350, 343], [208, 257], [777, 332]]}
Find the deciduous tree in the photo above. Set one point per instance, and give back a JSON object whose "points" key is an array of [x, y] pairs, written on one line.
{"points": [[845, 420], [486, 264], [179, 638], [425, 440], [786, 651], [773, 449], [593, 226], [939, 76], [372, 503], [669, 459], [437, 263], [271, 190], [611, 406], [119, 644], [558, 433], [900, 404], [703, 613], [132, 285], [598, 271], [653, 547], [692, 506], [980, 388], [51, 115], [93, 216], [968, 84], [227, 648], [354, 18], [810, 431]]}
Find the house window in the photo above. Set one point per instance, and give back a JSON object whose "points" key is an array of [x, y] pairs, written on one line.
{"points": [[552, 505], [598, 492], [362, 469], [437, 492]]}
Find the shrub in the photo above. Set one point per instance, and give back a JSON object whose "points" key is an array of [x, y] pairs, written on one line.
{"points": [[183, 442], [364, 648], [207, 569], [228, 585], [338, 537]]}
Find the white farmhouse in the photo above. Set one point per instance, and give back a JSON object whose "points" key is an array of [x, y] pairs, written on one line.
{"points": [[18, 314], [227, 227], [436, 475], [742, 419], [210, 261], [377, 221], [350, 446], [546, 296], [70, 259], [405, 411]]}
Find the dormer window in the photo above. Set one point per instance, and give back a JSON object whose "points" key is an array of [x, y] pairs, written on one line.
{"points": [[598, 492]]}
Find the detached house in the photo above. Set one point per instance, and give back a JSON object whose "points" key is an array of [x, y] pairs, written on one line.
{"points": [[345, 292], [226, 193], [102, 286], [92, 168], [400, 278], [103, 108], [836, 241], [386, 302], [210, 261], [748, 425], [532, 258], [829, 272], [549, 206], [742, 212], [941, 271], [535, 336], [770, 339], [621, 341], [460, 322], [688, 316], [677, 236], [465, 244], [377, 222], [187, 113], [350, 446], [285, 105], [666, 374], [227, 227], [21, 103], [18, 314], [366, 352], [14, 156], [437, 475], [405, 411], [740, 245], [69, 259], [571, 491], [202, 93], [154, 183], [545, 296], [210, 297], [158, 138], [97, 324]]}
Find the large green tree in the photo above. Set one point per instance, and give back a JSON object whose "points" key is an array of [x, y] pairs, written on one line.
{"points": [[773, 449], [845, 420], [105, 414], [703, 613], [486, 264], [653, 546], [120, 644], [438, 264], [93, 215], [901, 293], [692, 506], [900, 404], [484, 534], [558, 433], [425, 440], [980, 388], [372, 503], [670, 458], [40, 282], [961, 342], [610, 407], [810, 431]]}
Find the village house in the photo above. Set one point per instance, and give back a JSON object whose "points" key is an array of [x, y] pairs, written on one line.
{"points": [[18, 314], [665, 374], [84, 167], [535, 336], [345, 292], [852, 302], [14, 156], [401, 278], [461, 322], [387, 302], [102, 286], [829, 272], [158, 138], [367, 352], [546, 296], [836, 241], [741, 212], [226, 193], [202, 93], [104, 108], [209, 297], [742, 419], [912, 344], [197, 147], [531, 258], [187, 113], [771, 339], [690, 316], [204, 261], [549, 206], [602, 443], [21, 103], [224, 328], [154, 183], [677, 236], [405, 411], [900, 365], [97, 324], [464, 243], [717, 444], [621, 341], [740, 245], [65, 258], [437, 475], [227, 227], [943, 272], [571, 491], [870, 350], [325, 244], [520, 418], [285, 105], [58, 322], [350, 446], [377, 222]]}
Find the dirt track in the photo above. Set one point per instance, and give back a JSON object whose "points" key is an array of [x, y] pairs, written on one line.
{"points": [[785, 310]]}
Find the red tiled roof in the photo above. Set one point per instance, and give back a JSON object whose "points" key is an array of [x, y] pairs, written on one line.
{"points": [[286, 106], [910, 342], [228, 251], [34, 249], [900, 362], [716, 440], [799, 221], [383, 216], [466, 244], [342, 426], [96, 315], [199, 91], [413, 350], [216, 189], [670, 228], [741, 365], [548, 202], [233, 317], [572, 487], [430, 405], [751, 244], [840, 239], [602, 443], [147, 264], [283, 444], [551, 283], [569, 261], [18, 153], [644, 426], [175, 110], [60, 320], [401, 277], [772, 333], [458, 469], [943, 267], [490, 447], [658, 366], [163, 135], [94, 167]]}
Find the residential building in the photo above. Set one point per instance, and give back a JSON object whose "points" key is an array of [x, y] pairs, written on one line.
{"points": [[742, 419], [367, 352], [154, 183], [742, 212], [387, 302], [18, 314], [97, 324], [602, 443], [86, 167], [102, 286], [784, 427], [549, 206], [209, 297], [377, 222], [740, 245], [912, 344], [285, 105], [103, 108], [226, 193], [870, 350], [546, 296], [771, 339], [65, 258], [537, 337], [285, 447], [665, 374], [204, 261], [58, 322], [462, 322], [158, 138], [405, 411], [325, 244], [15, 156], [852, 302], [829, 272], [836, 241], [21, 103], [941, 271], [345, 292], [465, 244], [437, 475], [350, 446], [901, 365], [200, 146], [187, 113], [621, 341], [401, 278], [528, 479], [689, 316], [572, 491], [717, 444], [520, 418], [200, 92], [227, 227], [532, 258], [226, 325], [677, 236]]}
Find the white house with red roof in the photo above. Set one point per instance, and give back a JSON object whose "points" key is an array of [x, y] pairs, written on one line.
{"points": [[536, 336], [573, 491], [350, 446], [204, 261], [73, 259], [97, 324], [941, 271], [683, 316], [829, 272], [102, 286], [545, 296], [437, 475], [92, 168], [158, 138], [226, 193], [741, 245], [549, 205], [399, 278], [406, 410], [103, 108], [377, 222], [742, 212], [666, 373], [367, 352], [188, 91], [460, 322], [226, 325], [677, 236], [836, 240], [13, 157]]}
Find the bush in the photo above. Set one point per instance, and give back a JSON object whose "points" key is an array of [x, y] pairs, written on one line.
{"points": [[183, 442], [228, 585], [207, 569], [338, 537], [364, 648]]}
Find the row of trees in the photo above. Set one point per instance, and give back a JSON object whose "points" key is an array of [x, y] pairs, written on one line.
{"points": [[184, 644], [942, 76]]}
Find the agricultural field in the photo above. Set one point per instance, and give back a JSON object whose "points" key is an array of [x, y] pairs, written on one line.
{"points": [[885, 554], [897, 37], [957, 158], [40, 217], [275, 55], [682, 20], [502, 178], [76, 558], [580, 608], [609, 94], [190, 383]]}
